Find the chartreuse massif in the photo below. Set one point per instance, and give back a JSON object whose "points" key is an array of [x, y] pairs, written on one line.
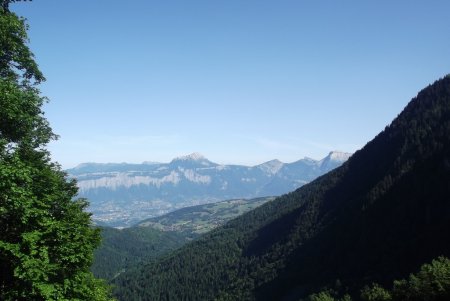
{"points": [[46, 238], [379, 217]]}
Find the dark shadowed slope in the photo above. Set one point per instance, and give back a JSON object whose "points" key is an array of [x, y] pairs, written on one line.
{"points": [[378, 217]]}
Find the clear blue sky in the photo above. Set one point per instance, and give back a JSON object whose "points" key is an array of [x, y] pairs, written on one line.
{"points": [[238, 81]]}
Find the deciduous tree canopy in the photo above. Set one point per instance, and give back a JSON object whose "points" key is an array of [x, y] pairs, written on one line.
{"points": [[46, 238]]}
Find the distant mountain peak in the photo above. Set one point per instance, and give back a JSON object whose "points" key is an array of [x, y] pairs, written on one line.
{"points": [[339, 156], [334, 159], [83, 165], [275, 161], [191, 157], [309, 159], [192, 160], [272, 166]]}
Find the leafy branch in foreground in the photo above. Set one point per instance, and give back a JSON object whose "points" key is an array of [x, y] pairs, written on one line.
{"points": [[46, 242], [431, 283]]}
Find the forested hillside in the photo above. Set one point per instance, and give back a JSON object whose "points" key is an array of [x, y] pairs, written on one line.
{"points": [[155, 237], [377, 218], [121, 249]]}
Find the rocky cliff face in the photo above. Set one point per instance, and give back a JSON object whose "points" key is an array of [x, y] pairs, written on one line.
{"points": [[122, 194]]}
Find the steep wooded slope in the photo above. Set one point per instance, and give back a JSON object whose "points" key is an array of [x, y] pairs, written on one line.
{"points": [[376, 218], [121, 249], [155, 237]]}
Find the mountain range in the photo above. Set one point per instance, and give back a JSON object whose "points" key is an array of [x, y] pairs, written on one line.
{"points": [[376, 218], [122, 194]]}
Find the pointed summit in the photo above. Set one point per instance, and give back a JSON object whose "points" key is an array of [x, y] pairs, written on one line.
{"points": [[333, 160], [191, 157], [339, 156], [271, 167], [194, 160]]}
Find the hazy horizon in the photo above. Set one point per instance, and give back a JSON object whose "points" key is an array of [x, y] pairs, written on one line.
{"points": [[239, 82], [206, 157]]}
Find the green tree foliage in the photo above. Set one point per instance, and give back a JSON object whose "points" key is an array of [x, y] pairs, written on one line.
{"points": [[46, 238], [327, 296], [322, 296], [431, 283], [375, 293]]}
